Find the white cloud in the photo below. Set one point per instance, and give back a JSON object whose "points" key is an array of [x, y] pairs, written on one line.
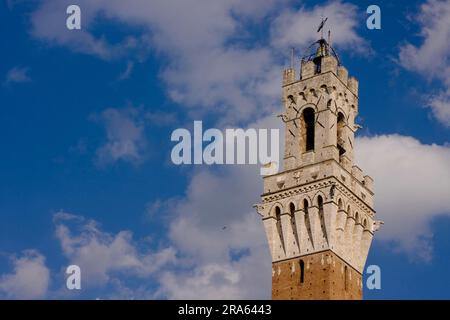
{"points": [[210, 281], [220, 236], [412, 186], [432, 57], [29, 280], [202, 71], [239, 267], [49, 24], [298, 27], [440, 105], [125, 136], [213, 223], [219, 241], [213, 63], [17, 75], [105, 258]]}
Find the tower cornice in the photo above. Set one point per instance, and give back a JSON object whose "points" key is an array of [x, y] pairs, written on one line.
{"points": [[317, 185]]}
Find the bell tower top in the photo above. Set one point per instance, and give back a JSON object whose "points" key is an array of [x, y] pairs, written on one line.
{"points": [[320, 108]]}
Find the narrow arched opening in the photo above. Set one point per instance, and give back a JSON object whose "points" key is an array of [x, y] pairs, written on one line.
{"points": [[320, 205], [277, 213], [278, 219], [293, 223], [308, 118], [320, 202], [302, 271], [340, 134]]}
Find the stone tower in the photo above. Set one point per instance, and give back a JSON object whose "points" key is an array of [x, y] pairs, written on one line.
{"points": [[318, 212]]}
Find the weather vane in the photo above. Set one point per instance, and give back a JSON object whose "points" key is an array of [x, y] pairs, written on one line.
{"points": [[322, 24]]}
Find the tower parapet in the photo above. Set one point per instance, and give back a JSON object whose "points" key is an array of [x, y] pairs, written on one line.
{"points": [[288, 76]]}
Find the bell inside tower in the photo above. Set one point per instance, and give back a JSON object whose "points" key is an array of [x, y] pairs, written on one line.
{"points": [[322, 51]]}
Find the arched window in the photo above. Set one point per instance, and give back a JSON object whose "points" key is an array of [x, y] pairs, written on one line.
{"points": [[308, 132], [340, 205], [302, 271], [320, 205], [340, 133], [278, 217], [292, 213], [293, 222], [278, 213], [320, 202], [321, 215], [305, 206]]}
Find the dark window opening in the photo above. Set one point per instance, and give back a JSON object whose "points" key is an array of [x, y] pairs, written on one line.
{"points": [[292, 208], [278, 224], [320, 205], [340, 133], [341, 150], [320, 202], [309, 119], [302, 271], [317, 65]]}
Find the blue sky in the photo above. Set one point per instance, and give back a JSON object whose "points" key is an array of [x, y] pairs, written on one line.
{"points": [[86, 118]]}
